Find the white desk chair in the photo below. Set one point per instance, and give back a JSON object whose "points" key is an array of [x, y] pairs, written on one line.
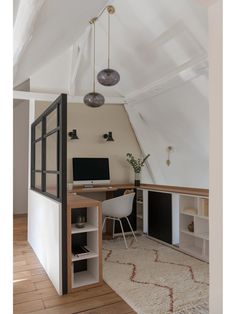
{"points": [[117, 208]]}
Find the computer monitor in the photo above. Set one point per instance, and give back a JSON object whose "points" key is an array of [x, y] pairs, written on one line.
{"points": [[89, 171]]}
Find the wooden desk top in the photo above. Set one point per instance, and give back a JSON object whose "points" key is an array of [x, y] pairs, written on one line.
{"points": [[176, 189], [78, 201], [152, 187], [104, 188]]}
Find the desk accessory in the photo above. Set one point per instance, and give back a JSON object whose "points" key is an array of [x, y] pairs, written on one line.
{"points": [[80, 222]]}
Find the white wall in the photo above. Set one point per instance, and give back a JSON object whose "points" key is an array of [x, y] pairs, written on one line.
{"points": [[44, 235], [54, 76], [91, 124], [216, 160], [20, 156], [177, 117]]}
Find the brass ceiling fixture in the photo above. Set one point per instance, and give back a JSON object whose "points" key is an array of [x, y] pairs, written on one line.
{"points": [[94, 99], [108, 77]]}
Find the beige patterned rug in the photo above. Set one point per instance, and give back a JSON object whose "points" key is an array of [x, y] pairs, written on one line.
{"points": [[155, 279]]}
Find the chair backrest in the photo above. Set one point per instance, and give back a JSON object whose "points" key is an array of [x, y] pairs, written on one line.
{"points": [[119, 207]]}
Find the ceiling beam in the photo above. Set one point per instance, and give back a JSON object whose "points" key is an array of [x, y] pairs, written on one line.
{"points": [[71, 99], [26, 16], [186, 72], [78, 50]]}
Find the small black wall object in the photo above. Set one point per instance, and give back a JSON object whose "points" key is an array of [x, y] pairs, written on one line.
{"points": [[73, 135], [108, 137]]}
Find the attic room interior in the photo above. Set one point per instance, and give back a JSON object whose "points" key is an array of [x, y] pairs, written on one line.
{"points": [[117, 203]]}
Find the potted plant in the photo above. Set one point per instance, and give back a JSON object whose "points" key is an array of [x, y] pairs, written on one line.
{"points": [[137, 165]]}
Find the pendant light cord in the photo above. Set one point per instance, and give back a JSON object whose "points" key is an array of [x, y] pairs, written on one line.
{"points": [[109, 40], [94, 57]]}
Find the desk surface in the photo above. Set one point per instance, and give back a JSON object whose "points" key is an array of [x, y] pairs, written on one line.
{"points": [[152, 187], [104, 188], [80, 201]]}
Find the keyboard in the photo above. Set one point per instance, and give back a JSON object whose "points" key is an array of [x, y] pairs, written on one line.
{"points": [[105, 188]]}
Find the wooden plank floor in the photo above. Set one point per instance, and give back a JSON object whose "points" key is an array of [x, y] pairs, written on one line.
{"points": [[34, 293]]}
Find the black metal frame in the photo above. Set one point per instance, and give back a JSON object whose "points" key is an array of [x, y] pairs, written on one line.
{"points": [[60, 105]]}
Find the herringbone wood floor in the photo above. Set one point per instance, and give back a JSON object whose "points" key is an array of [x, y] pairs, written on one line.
{"points": [[34, 293]]}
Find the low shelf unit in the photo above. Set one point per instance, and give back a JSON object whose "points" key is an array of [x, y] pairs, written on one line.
{"points": [[194, 226], [84, 242]]}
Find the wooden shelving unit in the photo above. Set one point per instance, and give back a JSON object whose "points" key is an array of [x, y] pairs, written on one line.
{"points": [[84, 270], [194, 209]]}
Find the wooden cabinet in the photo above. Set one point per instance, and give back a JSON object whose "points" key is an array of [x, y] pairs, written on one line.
{"points": [[160, 216], [84, 243]]}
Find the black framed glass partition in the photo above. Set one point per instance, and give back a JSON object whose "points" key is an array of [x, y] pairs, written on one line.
{"points": [[47, 153], [49, 164]]}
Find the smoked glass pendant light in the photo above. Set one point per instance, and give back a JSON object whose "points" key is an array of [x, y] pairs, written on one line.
{"points": [[108, 77], [94, 99]]}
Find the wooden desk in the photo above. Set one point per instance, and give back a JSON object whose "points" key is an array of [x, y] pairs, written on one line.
{"points": [[157, 216], [113, 190], [104, 188], [145, 186]]}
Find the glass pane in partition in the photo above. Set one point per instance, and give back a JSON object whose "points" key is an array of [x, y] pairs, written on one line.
{"points": [[38, 180], [38, 155], [51, 183], [51, 152], [38, 130], [51, 120]]}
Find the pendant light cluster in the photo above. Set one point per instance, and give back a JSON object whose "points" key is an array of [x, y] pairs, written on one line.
{"points": [[94, 99], [106, 77]]}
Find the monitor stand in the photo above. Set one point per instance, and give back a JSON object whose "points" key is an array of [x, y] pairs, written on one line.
{"points": [[88, 185]]}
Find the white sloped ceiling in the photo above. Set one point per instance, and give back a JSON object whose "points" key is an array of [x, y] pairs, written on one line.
{"points": [[53, 29], [159, 48]]}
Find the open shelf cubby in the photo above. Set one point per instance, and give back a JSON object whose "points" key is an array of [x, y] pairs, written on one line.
{"points": [[192, 245], [87, 240], [84, 243], [194, 209], [188, 204], [203, 209], [90, 216], [85, 272]]}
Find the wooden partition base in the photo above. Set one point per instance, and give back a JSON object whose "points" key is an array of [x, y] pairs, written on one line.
{"points": [[91, 274]]}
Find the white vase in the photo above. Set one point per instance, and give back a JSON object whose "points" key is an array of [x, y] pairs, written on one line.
{"points": [[137, 178]]}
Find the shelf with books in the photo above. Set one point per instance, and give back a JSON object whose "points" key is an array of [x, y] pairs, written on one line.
{"points": [[87, 254]]}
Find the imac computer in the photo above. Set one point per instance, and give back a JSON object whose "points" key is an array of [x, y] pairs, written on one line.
{"points": [[90, 171]]}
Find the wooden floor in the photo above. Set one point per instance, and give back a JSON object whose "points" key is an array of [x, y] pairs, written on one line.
{"points": [[34, 293]]}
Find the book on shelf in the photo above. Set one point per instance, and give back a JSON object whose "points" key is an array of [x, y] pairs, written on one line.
{"points": [[80, 250]]}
